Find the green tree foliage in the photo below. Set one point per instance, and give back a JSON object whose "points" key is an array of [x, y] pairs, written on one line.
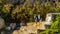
{"points": [[55, 26], [0, 1], [25, 12]]}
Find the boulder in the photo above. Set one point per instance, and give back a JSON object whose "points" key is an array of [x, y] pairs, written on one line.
{"points": [[2, 23]]}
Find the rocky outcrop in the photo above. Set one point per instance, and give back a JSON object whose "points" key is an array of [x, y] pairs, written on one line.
{"points": [[2, 23]]}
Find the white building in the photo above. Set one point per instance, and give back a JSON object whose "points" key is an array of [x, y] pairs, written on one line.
{"points": [[49, 18]]}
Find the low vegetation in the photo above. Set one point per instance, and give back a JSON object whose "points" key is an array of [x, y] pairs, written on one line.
{"points": [[55, 26]]}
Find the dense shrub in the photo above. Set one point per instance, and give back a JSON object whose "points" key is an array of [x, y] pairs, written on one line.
{"points": [[25, 12], [55, 26]]}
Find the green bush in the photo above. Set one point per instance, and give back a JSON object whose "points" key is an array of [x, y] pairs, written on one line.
{"points": [[55, 26], [17, 13]]}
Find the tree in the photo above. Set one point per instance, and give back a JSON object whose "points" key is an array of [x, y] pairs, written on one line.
{"points": [[26, 11]]}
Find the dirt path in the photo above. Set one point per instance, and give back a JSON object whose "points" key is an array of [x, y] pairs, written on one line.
{"points": [[30, 28]]}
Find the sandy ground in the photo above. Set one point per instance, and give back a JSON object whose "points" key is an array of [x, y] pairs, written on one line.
{"points": [[30, 28]]}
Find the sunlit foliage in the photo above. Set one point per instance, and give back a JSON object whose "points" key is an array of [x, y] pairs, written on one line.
{"points": [[55, 26], [26, 11]]}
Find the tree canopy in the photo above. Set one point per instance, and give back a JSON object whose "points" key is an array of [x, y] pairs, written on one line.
{"points": [[24, 12]]}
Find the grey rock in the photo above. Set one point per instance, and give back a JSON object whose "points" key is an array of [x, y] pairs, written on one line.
{"points": [[2, 23]]}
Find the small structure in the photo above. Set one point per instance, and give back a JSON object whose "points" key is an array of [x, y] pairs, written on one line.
{"points": [[37, 18], [49, 18]]}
